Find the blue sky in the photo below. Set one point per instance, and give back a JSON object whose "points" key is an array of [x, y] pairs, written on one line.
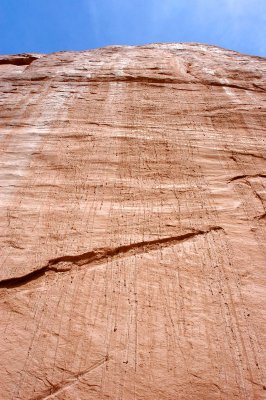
{"points": [[51, 25]]}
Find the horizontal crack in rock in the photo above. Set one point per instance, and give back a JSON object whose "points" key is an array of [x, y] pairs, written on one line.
{"points": [[249, 154], [255, 88], [100, 255], [239, 177], [20, 59], [262, 216]]}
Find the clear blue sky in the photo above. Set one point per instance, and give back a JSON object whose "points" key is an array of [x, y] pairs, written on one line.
{"points": [[51, 25]]}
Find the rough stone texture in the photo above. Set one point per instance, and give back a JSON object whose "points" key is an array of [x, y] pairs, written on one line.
{"points": [[133, 224]]}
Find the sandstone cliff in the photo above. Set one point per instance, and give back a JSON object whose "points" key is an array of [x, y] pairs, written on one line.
{"points": [[132, 212]]}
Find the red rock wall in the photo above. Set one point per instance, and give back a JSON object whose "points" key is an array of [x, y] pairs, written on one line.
{"points": [[132, 212]]}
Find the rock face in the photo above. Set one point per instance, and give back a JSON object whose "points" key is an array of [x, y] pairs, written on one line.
{"points": [[133, 224]]}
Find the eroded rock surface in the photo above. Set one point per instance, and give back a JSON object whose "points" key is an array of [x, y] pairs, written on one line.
{"points": [[132, 212]]}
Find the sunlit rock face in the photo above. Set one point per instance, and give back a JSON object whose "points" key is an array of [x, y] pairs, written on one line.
{"points": [[132, 212]]}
